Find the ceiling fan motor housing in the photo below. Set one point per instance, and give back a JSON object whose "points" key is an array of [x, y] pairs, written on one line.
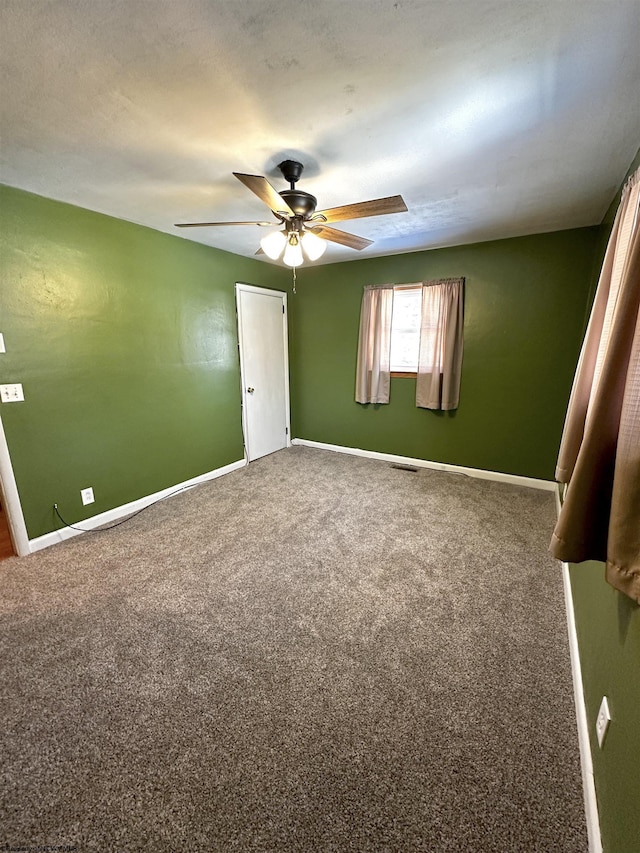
{"points": [[303, 204]]}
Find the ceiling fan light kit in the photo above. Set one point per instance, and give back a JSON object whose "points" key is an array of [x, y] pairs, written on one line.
{"points": [[304, 228], [289, 244]]}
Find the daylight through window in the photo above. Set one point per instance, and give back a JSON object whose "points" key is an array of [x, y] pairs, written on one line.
{"points": [[405, 329]]}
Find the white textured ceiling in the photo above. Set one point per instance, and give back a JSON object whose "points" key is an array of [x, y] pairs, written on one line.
{"points": [[492, 119]]}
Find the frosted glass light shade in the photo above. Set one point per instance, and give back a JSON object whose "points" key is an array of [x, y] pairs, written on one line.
{"points": [[273, 244], [313, 245], [293, 254]]}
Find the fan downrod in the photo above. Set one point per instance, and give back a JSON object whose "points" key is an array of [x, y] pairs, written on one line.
{"points": [[303, 204]]}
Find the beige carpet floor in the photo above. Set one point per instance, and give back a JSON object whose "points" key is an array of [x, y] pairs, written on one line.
{"points": [[315, 653]]}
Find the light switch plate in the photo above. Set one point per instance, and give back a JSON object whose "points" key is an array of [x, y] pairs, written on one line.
{"points": [[602, 721], [11, 393], [2, 346]]}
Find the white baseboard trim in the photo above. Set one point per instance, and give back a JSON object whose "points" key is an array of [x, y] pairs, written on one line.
{"points": [[479, 473], [586, 762], [127, 509]]}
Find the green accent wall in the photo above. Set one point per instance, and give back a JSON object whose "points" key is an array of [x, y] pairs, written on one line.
{"points": [[525, 302], [125, 341], [608, 628]]}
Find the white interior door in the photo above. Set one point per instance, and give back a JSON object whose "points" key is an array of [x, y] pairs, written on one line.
{"points": [[264, 366]]}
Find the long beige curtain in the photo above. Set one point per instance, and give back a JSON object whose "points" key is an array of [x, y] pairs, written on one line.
{"points": [[374, 345], [600, 450], [441, 344]]}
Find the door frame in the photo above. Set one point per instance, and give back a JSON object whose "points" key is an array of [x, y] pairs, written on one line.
{"points": [[11, 500], [280, 294]]}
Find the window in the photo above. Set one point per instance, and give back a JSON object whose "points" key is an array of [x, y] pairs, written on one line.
{"points": [[405, 328], [411, 330]]}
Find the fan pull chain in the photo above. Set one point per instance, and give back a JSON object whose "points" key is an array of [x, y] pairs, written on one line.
{"points": [[294, 279]]}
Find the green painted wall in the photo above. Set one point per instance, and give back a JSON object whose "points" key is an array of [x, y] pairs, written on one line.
{"points": [[524, 307], [608, 628], [125, 342]]}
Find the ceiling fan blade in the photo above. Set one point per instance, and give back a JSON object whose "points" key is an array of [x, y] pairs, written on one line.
{"points": [[342, 237], [375, 207], [209, 224], [265, 192]]}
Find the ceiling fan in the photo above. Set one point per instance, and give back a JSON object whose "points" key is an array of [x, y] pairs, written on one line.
{"points": [[304, 227]]}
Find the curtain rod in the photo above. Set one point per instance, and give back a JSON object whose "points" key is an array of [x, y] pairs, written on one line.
{"points": [[427, 282]]}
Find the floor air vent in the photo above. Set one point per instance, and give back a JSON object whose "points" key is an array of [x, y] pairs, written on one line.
{"points": [[404, 467]]}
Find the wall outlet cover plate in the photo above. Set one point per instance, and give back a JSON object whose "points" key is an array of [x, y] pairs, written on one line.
{"points": [[87, 496]]}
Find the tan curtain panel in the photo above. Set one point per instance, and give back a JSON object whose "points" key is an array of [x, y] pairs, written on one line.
{"points": [[600, 450], [374, 345], [441, 344]]}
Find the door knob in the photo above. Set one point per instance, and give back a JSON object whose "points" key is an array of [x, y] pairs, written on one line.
{"points": [[250, 390]]}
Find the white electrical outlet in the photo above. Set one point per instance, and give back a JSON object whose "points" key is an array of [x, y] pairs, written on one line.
{"points": [[603, 720], [87, 496], [11, 393]]}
